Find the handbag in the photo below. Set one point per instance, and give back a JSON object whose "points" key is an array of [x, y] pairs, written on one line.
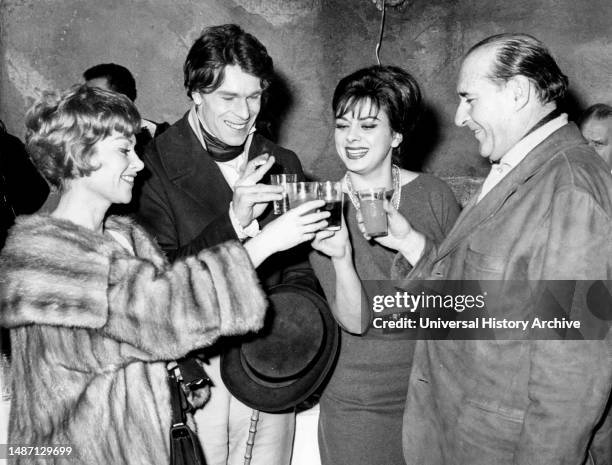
{"points": [[185, 448]]}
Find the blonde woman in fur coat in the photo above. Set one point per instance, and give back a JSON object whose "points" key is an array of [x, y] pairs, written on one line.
{"points": [[94, 308]]}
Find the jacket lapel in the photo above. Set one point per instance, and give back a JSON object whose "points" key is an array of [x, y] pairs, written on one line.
{"points": [[476, 213], [192, 170]]}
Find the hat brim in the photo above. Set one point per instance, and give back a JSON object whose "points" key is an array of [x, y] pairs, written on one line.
{"points": [[270, 397]]}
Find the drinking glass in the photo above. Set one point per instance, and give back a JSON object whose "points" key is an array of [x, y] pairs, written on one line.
{"points": [[331, 192], [301, 192], [372, 211], [281, 206]]}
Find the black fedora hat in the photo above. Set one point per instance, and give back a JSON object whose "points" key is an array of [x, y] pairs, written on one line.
{"points": [[284, 363]]}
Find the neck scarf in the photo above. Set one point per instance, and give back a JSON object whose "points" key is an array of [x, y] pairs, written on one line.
{"points": [[219, 150]]}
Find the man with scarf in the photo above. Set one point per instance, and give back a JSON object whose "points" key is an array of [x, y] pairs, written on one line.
{"points": [[543, 219], [203, 188]]}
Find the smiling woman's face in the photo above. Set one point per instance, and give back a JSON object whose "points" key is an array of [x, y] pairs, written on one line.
{"points": [[364, 138], [117, 165]]}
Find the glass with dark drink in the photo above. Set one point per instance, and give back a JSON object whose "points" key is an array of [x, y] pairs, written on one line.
{"points": [[281, 206], [331, 192]]}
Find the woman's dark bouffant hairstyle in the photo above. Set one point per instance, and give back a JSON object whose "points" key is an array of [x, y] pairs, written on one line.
{"points": [[219, 46], [63, 128], [387, 88]]}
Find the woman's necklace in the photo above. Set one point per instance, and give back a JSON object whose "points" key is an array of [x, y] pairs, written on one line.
{"points": [[397, 188]]}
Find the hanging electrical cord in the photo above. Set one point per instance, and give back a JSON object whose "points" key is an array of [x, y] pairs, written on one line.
{"points": [[382, 30]]}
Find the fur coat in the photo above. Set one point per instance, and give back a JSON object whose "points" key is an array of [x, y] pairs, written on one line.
{"points": [[92, 326]]}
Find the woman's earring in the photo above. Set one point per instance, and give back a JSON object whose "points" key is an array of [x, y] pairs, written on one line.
{"points": [[397, 140]]}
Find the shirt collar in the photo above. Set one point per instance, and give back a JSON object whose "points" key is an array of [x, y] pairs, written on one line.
{"points": [[516, 154], [149, 126]]}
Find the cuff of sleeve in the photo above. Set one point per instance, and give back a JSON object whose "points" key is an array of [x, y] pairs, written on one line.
{"points": [[241, 301], [251, 230], [400, 267]]}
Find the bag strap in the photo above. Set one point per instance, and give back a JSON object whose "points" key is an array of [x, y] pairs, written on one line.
{"points": [[178, 402], [185, 448]]}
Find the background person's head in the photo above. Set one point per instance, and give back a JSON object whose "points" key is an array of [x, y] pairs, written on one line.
{"points": [[227, 71], [64, 130], [376, 110], [507, 83], [111, 76], [596, 128]]}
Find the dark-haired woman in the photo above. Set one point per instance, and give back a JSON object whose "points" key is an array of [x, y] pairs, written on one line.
{"points": [[360, 423], [95, 309]]}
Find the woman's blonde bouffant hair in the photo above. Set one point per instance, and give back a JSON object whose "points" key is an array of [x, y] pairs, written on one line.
{"points": [[64, 127]]}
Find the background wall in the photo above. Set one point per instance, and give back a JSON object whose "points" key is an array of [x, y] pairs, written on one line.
{"points": [[49, 43]]}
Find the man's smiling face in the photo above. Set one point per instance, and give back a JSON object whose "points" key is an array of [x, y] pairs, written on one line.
{"points": [[486, 107], [229, 112]]}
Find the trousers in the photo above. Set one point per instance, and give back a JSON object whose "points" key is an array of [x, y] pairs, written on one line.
{"points": [[223, 428]]}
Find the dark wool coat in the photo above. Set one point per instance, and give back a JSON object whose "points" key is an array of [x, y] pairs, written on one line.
{"points": [[185, 201], [92, 327], [22, 189]]}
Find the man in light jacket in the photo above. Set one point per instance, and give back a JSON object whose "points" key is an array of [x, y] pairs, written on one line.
{"points": [[544, 213]]}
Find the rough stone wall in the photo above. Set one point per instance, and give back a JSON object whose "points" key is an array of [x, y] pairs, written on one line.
{"points": [[48, 43]]}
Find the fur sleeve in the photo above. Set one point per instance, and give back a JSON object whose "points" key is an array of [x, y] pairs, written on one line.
{"points": [[53, 273], [187, 306]]}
